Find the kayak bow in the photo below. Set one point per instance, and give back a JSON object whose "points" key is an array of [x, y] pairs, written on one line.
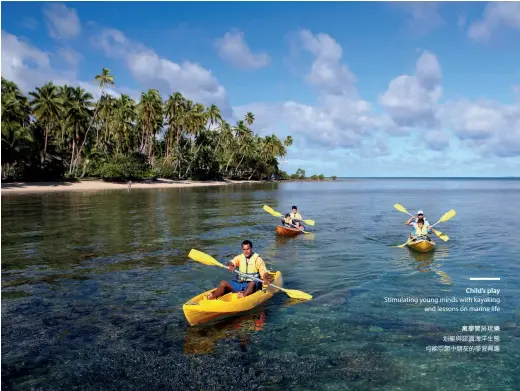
{"points": [[287, 231], [422, 245], [201, 310]]}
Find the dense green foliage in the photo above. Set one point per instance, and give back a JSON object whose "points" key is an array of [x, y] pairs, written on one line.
{"points": [[61, 132]]}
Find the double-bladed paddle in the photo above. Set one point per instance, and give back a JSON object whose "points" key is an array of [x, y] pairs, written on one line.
{"points": [[445, 217], [274, 213], [207, 259]]}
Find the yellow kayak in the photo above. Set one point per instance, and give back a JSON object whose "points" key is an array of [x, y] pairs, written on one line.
{"points": [[201, 310], [422, 246]]}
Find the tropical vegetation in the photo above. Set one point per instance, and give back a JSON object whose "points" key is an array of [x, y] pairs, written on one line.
{"points": [[60, 132]]}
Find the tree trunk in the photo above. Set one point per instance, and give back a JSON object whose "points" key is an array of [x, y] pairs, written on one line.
{"points": [[179, 149], [72, 156], [46, 137], [192, 160], [216, 151], [82, 145], [251, 175], [229, 161], [236, 169]]}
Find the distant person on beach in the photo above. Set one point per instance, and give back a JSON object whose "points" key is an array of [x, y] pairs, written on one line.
{"points": [[248, 263]]}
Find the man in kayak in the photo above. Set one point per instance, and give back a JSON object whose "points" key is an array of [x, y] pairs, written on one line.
{"points": [[296, 218], [413, 220], [248, 263]]}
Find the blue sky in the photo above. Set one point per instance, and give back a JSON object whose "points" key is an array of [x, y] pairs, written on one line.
{"points": [[365, 89]]}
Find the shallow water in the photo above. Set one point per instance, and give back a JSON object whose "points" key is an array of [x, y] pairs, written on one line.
{"points": [[93, 284]]}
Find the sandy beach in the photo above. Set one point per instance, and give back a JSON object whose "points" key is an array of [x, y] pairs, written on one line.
{"points": [[97, 185]]}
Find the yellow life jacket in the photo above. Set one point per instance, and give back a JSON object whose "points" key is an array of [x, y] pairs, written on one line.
{"points": [[296, 216], [248, 267], [421, 231]]}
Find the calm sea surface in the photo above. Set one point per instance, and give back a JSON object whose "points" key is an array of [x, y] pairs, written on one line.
{"points": [[93, 284]]}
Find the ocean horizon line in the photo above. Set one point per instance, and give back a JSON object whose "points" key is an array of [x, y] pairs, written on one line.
{"points": [[425, 177]]}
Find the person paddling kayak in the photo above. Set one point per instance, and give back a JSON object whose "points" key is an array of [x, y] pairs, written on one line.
{"points": [[421, 227], [413, 220], [248, 263], [296, 218]]}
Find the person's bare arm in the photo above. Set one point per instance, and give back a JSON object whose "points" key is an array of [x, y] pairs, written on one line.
{"points": [[264, 273]]}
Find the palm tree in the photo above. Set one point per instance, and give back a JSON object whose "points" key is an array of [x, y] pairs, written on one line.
{"points": [[124, 118], [47, 108], [77, 117], [103, 79], [249, 118], [286, 143], [150, 110], [56, 124], [16, 133]]}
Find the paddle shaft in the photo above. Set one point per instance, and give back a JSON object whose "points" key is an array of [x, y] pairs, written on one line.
{"points": [[290, 292], [254, 278]]}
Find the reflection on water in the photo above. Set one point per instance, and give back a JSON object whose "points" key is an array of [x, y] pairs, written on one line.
{"points": [[284, 240], [93, 285], [202, 339], [431, 262]]}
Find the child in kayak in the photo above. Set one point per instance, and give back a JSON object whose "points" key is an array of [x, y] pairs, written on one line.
{"points": [[248, 263], [287, 220], [420, 228]]}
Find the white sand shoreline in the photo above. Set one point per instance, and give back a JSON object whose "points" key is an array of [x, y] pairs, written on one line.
{"points": [[97, 185]]}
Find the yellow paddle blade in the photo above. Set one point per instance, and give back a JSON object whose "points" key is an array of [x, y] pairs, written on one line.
{"points": [[401, 208], [274, 213], [295, 294], [446, 216], [271, 211], [441, 236], [204, 258]]}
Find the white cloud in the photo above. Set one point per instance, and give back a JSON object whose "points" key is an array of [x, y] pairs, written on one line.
{"points": [[152, 71], [376, 147], [62, 22], [23, 63], [29, 67], [411, 101], [328, 75], [70, 56], [437, 140], [492, 127], [423, 17], [496, 15], [339, 120], [232, 47]]}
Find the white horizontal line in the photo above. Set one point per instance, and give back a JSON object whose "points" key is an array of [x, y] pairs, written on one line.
{"points": [[485, 278]]}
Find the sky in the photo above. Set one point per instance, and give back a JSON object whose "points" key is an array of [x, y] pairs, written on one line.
{"points": [[364, 89]]}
